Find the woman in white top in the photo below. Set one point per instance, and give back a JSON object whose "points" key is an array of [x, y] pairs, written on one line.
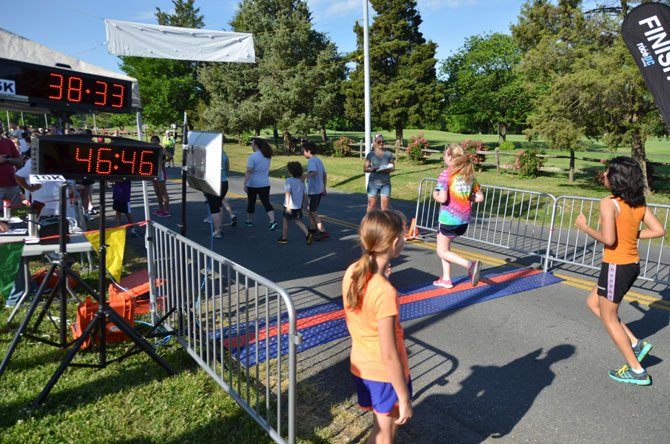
{"points": [[257, 181]]}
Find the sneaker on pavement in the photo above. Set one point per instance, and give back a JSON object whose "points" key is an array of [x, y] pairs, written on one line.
{"points": [[642, 349], [309, 238], [282, 240], [217, 235], [321, 236], [625, 374], [473, 272], [233, 222], [272, 226], [248, 223], [206, 220], [312, 230], [444, 283], [165, 213], [157, 212]]}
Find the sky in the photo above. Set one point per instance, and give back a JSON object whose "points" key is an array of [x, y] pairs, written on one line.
{"points": [[76, 27]]}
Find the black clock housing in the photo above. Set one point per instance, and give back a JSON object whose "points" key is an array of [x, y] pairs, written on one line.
{"points": [[60, 88], [95, 157]]}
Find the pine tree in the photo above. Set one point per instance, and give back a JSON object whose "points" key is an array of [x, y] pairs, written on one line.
{"points": [[403, 82]]}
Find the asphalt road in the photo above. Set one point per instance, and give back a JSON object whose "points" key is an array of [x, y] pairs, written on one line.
{"points": [[529, 367]]}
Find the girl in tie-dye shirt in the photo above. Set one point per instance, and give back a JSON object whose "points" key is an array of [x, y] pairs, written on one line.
{"points": [[456, 189]]}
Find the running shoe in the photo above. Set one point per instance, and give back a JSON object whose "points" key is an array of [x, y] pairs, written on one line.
{"points": [[282, 240], [444, 283], [473, 272], [164, 213], [321, 236], [272, 226], [156, 212], [625, 374], [248, 223], [642, 349], [233, 222], [309, 238], [217, 235], [206, 220]]}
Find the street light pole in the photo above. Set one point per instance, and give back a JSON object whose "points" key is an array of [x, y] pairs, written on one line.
{"points": [[366, 81]]}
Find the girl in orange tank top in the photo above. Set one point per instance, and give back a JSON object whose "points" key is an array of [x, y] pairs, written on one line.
{"points": [[620, 217]]}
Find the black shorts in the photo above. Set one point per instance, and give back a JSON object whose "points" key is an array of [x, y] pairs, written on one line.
{"points": [[121, 207], [313, 201], [453, 230], [615, 280], [215, 202], [295, 215]]}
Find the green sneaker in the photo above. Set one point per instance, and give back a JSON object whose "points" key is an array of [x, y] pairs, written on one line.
{"points": [[642, 349], [625, 374]]}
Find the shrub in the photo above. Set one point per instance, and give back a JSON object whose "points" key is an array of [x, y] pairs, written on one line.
{"points": [[506, 146], [471, 147], [415, 147], [341, 147], [528, 163], [245, 138]]}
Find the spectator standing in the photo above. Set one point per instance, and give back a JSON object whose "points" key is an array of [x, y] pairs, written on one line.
{"points": [[169, 144], [10, 160], [160, 187], [257, 181], [379, 163], [316, 188]]}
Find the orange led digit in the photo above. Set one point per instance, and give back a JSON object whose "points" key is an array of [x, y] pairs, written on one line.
{"points": [[144, 163], [87, 159], [130, 162], [58, 86], [118, 95], [102, 92], [101, 162], [74, 87]]}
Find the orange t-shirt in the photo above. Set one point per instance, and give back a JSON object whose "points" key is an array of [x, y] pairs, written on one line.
{"points": [[624, 250], [380, 301]]}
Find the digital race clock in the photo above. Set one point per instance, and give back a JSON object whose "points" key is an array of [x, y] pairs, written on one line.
{"points": [[61, 88], [93, 157]]}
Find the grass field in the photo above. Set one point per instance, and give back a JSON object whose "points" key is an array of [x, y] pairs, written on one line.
{"points": [[134, 401]]}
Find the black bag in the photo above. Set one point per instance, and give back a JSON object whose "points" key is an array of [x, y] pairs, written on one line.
{"points": [[49, 227]]}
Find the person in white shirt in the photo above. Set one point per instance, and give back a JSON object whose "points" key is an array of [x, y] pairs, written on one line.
{"points": [[316, 188], [257, 181], [294, 199]]}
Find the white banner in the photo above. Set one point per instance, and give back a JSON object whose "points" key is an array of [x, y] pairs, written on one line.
{"points": [[172, 42]]}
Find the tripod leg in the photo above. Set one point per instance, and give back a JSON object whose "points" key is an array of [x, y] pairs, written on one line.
{"points": [[117, 320], [19, 332], [86, 334]]}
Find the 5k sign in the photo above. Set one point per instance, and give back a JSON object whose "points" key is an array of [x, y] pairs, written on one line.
{"points": [[646, 32]]}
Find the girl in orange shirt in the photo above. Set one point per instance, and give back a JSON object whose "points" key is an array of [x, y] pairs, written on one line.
{"points": [[379, 361], [620, 217]]}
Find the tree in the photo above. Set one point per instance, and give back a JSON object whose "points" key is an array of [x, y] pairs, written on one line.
{"points": [[585, 82], [482, 85], [168, 87], [404, 87], [292, 86]]}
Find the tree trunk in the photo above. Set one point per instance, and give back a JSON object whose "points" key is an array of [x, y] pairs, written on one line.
{"points": [[571, 171], [639, 154], [398, 134], [502, 133], [324, 136]]}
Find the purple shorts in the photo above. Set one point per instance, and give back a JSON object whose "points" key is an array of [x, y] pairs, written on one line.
{"points": [[378, 396]]}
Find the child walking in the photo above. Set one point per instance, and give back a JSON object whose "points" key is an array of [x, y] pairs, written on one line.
{"points": [[620, 217], [294, 190], [456, 189], [379, 363]]}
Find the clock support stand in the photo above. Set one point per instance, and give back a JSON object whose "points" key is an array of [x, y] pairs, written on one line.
{"points": [[97, 327]]}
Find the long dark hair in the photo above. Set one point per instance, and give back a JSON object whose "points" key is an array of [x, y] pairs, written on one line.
{"points": [[625, 179], [263, 146]]}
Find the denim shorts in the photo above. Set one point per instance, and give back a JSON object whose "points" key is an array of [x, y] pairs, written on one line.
{"points": [[376, 189]]}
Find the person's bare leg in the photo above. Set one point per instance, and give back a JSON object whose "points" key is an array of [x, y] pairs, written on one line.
{"points": [[609, 314], [372, 202], [217, 219], [385, 203], [383, 429], [593, 304]]}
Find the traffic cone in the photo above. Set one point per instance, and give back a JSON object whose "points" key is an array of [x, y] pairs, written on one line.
{"points": [[413, 232]]}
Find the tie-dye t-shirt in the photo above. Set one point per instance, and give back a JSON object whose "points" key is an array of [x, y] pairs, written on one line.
{"points": [[458, 208]]}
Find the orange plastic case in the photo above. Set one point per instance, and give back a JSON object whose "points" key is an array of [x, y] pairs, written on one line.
{"points": [[122, 304]]}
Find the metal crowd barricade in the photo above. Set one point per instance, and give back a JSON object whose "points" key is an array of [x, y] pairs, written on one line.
{"points": [[238, 326], [571, 246], [519, 220]]}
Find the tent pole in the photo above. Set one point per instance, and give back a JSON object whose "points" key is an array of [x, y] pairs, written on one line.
{"points": [[184, 153]]}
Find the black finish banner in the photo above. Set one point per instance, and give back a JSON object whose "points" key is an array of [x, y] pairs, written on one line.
{"points": [[646, 32]]}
